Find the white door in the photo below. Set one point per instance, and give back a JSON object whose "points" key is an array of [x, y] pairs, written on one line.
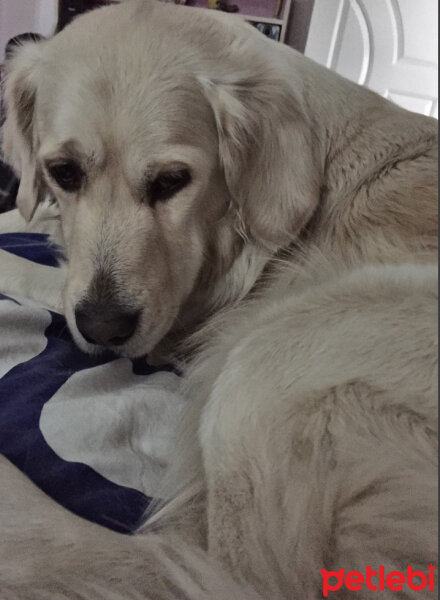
{"points": [[388, 45]]}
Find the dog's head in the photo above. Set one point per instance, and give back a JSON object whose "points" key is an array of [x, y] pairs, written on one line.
{"points": [[162, 132]]}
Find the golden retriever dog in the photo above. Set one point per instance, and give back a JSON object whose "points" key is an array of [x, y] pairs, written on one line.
{"points": [[218, 187]]}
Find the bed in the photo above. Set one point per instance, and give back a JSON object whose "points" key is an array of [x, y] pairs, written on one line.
{"points": [[92, 432]]}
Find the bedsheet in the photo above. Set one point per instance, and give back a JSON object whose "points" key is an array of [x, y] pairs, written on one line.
{"points": [[93, 432]]}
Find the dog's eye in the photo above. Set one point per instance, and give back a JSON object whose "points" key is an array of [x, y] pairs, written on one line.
{"points": [[69, 175], [167, 184]]}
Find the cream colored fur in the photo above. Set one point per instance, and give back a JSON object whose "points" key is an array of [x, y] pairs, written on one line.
{"points": [[306, 244]]}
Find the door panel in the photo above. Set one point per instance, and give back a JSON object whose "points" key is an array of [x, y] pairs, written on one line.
{"points": [[387, 45]]}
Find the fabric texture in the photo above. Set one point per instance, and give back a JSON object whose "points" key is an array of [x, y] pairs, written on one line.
{"points": [[92, 432]]}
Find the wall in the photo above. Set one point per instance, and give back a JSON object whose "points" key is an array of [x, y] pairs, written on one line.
{"points": [[21, 16]]}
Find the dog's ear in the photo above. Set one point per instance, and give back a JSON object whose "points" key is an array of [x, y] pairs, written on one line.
{"points": [[18, 132], [267, 153]]}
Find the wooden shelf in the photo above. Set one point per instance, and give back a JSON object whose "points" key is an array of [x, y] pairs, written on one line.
{"points": [[260, 12], [257, 19]]}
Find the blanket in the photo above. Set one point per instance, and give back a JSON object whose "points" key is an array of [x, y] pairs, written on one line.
{"points": [[93, 432]]}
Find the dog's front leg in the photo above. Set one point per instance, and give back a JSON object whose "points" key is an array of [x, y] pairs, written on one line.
{"points": [[44, 547], [46, 551]]}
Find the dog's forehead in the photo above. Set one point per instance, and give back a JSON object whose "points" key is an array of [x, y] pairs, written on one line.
{"points": [[128, 76], [111, 94]]}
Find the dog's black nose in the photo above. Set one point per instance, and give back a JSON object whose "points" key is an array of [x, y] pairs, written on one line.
{"points": [[105, 327]]}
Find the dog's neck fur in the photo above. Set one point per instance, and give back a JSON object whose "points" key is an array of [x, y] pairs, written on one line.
{"points": [[374, 186]]}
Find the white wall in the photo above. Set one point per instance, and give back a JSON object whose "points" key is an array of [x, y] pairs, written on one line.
{"points": [[22, 16]]}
